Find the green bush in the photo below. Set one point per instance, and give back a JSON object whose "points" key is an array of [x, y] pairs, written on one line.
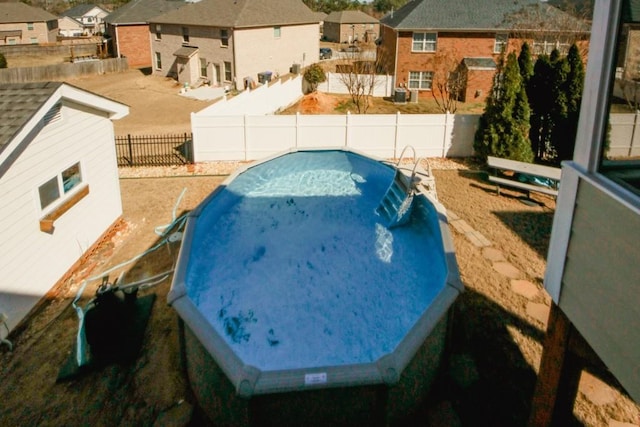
{"points": [[314, 75], [3, 61]]}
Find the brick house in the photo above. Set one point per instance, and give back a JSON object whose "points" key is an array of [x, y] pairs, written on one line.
{"points": [[239, 43], [427, 44], [349, 26], [24, 24], [127, 29]]}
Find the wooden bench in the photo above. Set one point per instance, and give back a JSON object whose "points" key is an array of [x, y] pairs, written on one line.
{"points": [[507, 173]]}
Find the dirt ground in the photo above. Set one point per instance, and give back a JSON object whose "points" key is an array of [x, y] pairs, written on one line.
{"points": [[495, 346], [155, 104]]}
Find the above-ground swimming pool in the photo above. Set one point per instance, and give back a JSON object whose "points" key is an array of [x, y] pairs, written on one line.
{"points": [[297, 294]]}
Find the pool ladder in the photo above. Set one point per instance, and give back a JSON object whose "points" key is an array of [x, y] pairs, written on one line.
{"points": [[395, 206]]}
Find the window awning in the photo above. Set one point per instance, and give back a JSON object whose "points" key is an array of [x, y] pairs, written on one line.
{"points": [[479, 63], [185, 52]]}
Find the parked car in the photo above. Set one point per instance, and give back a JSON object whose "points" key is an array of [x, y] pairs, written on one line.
{"points": [[326, 53], [351, 48]]}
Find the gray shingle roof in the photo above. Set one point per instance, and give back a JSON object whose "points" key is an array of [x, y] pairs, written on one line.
{"points": [[350, 17], [18, 103], [79, 10], [240, 13], [19, 12], [463, 14], [140, 11]]}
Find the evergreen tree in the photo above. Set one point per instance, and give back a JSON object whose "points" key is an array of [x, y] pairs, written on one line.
{"points": [[3, 61], [564, 139], [504, 126], [559, 111], [525, 62], [539, 90]]}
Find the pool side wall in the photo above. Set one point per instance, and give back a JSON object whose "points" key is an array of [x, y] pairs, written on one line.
{"points": [[362, 405], [232, 393]]}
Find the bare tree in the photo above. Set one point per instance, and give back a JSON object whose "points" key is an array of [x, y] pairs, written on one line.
{"points": [[549, 27], [358, 71], [448, 81]]}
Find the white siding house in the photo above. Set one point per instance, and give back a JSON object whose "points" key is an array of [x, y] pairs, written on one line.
{"points": [[59, 189]]}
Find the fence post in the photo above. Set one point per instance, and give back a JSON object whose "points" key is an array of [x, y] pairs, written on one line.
{"points": [[297, 129], [395, 139], [246, 153], [633, 134], [447, 133], [130, 149], [346, 130]]}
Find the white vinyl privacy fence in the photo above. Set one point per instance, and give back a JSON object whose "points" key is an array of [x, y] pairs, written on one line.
{"points": [[624, 137], [251, 137], [265, 99]]}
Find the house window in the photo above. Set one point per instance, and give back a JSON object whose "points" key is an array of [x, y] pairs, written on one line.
{"points": [[424, 42], [276, 32], [500, 44], [60, 184], [185, 35], [224, 38], [71, 178], [544, 46], [227, 71], [33, 40], [158, 61], [158, 32], [203, 67], [49, 192], [420, 80], [30, 26]]}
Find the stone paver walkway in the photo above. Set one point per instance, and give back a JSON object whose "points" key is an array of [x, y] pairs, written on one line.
{"points": [[463, 366]]}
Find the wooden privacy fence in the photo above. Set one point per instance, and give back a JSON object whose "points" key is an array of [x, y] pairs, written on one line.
{"points": [[154, 150], [63, 71]]}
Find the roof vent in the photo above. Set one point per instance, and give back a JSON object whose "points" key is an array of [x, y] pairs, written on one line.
{"points": [[53, 115]]}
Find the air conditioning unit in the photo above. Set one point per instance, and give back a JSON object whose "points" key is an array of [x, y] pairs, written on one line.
{"points": [[400, 95], [264, 77], [295, 69]]}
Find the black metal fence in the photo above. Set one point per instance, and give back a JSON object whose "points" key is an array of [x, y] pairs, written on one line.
{"points": [[154, 150]]}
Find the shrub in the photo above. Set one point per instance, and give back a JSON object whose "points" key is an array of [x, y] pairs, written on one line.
{"points": [[315, 75]]}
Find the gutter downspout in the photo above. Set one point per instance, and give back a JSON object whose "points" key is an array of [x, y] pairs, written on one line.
{"points": [[233, 75], [395, 65], [117, 28]]}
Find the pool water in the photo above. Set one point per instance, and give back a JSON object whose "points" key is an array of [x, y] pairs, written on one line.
{"points": [[294, 269]]}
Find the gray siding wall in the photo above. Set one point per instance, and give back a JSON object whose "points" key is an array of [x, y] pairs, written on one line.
{"points": [[601, 281]]}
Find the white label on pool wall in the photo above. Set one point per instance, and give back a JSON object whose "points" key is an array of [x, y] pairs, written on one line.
{"points": [[318, 378]]}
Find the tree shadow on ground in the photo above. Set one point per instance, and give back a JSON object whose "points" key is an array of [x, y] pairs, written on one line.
{"points": [[534, 228], [495, 386]]}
